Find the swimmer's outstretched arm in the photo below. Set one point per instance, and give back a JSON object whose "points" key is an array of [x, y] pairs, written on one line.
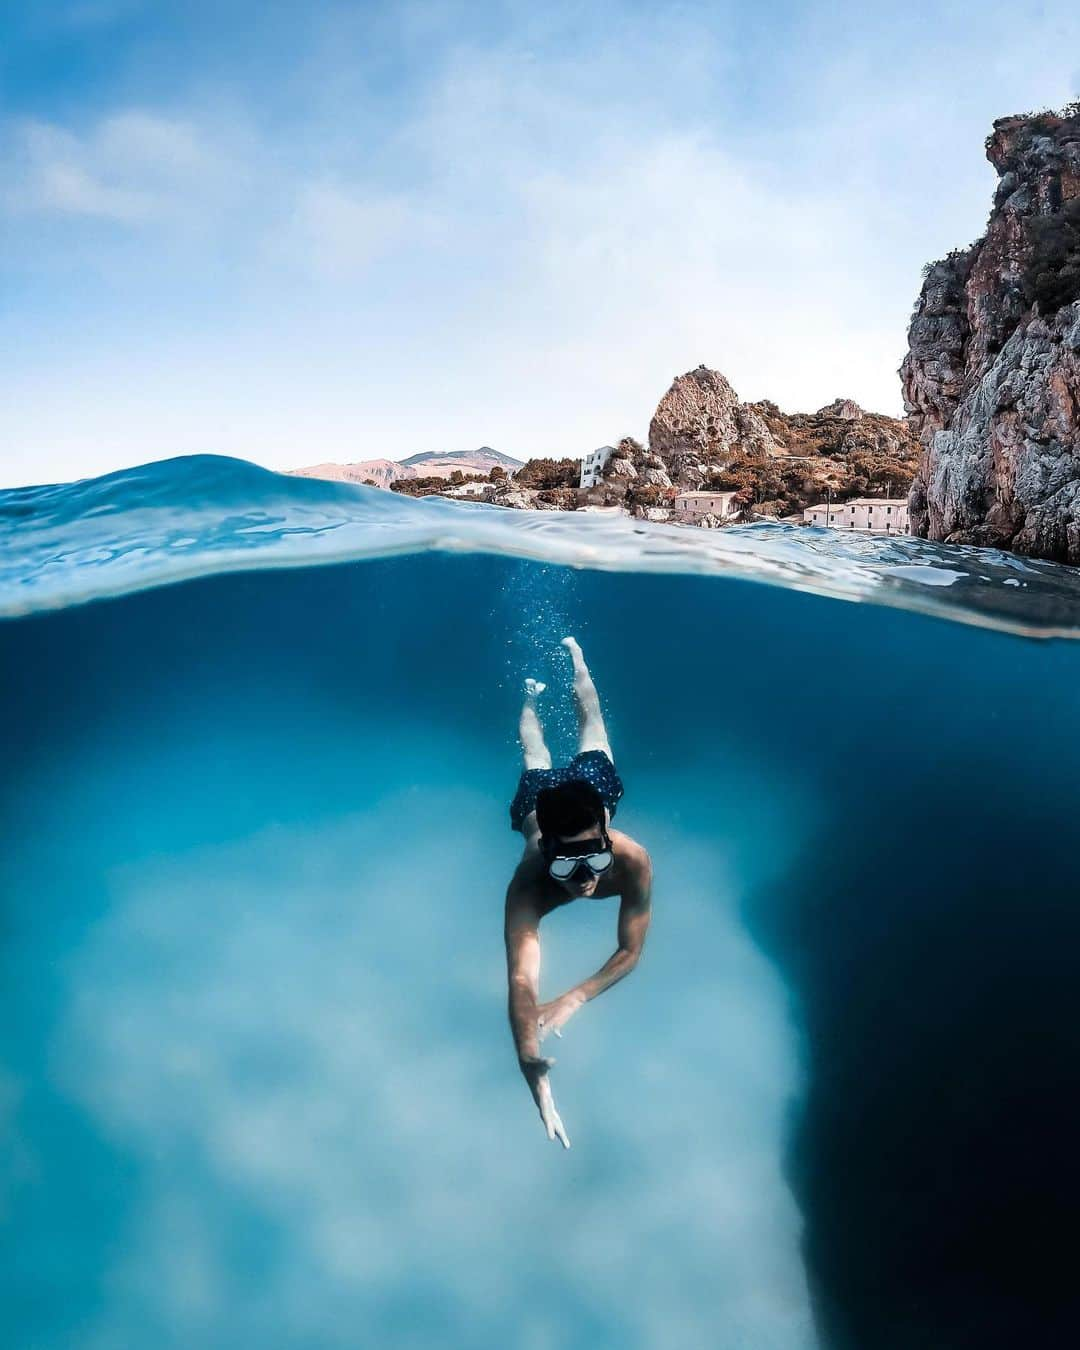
{"points": [[635, 913], [523, 975]]}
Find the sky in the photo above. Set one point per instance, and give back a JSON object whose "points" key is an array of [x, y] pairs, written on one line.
{"points": [[328, 231]]}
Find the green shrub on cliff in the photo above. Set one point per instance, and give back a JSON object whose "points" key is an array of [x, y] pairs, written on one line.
{"points": [[649, 494], [1052, 276], [563, 499], [418, 487]]}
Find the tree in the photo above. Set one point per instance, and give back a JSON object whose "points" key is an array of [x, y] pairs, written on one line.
{"points": [[549, 473], [1052, 276], [418, 487], [647, 494]]}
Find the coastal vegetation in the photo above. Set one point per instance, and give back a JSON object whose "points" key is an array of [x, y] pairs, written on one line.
{"points": [[1052, 276], [430, 486], [547, 474]]}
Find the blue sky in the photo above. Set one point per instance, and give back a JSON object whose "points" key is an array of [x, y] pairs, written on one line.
{"points": [[327, 231]]}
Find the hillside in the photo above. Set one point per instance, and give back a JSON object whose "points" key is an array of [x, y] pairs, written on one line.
{"points": [[428, 464], [377, 472], [483, 460], [703, 437]]}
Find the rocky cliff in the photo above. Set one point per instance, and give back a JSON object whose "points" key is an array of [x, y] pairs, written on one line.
{"points": [[992, 374], [700, 422]]}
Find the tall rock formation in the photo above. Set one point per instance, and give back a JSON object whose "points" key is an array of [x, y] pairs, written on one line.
{"points": [[700, 422], [701, 435], [845, 408], [992, 375]]}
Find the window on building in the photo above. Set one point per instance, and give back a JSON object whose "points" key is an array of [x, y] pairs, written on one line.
{"points": [[888, 510]]}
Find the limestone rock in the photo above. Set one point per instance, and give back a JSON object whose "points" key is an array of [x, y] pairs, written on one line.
{"points": [[518, 499], [699, 421], [846, 408], [754, 436], [992, 374], [620, 469]]}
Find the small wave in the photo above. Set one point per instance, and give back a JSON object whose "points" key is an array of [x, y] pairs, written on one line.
{"points": [[193, 516]]}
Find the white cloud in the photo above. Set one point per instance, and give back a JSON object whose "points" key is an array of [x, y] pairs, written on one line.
{"points": [[58, 176], [131, 168], [337, 232]]}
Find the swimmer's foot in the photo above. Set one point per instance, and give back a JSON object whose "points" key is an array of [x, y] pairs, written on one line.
{"points": [[574, 648], [534, 688]]}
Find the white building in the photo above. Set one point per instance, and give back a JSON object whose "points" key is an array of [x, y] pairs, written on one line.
{"points": [[695, 505], [879, 515], [592, 466]]}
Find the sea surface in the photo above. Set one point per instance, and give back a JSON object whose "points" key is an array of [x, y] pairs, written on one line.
{"points": [[257, 1086]]}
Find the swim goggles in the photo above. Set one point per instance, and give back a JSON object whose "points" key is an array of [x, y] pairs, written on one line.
{"points": [[566, 867]]}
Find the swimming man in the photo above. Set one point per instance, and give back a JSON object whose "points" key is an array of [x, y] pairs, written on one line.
{"points": [[571, 853]]}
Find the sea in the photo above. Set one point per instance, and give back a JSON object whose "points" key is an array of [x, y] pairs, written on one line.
{"points": [[257, 1086]]}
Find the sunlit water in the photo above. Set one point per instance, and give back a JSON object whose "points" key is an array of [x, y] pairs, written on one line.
{"points": [[257, 1085]]}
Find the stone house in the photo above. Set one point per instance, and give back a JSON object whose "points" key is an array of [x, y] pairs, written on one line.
{"points": [[694, 506], [879, 515]]}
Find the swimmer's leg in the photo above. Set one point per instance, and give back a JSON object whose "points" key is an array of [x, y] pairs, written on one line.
{"points": [[531, 734], [592, 734]]}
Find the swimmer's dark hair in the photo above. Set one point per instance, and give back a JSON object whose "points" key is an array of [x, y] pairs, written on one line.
{"points": [[569, 808]]}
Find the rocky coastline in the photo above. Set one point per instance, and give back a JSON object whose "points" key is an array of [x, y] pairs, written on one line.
{"points": [[990, 446], [701, 438]]}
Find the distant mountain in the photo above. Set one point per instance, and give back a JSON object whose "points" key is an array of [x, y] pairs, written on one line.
{"points": [[381, 472], [485, 459], [429, 464]]}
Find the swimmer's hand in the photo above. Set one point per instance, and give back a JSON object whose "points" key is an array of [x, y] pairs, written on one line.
{"points": [[554, 1016], [535, 1068]]}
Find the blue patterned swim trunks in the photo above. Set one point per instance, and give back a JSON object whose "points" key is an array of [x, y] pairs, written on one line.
{"points": [[591, 765]]}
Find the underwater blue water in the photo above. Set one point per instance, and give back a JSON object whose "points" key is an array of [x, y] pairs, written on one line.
{"points": [[256, 1081]]}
